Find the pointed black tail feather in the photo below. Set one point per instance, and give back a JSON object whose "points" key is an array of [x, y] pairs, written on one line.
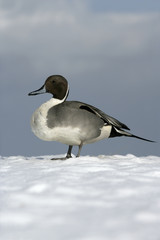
{"points": [[144, 139], [119, 132]]}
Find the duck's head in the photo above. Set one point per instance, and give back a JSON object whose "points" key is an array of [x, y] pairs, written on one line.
{"points": [[56, 85]]}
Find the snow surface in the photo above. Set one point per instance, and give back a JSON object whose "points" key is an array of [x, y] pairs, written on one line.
{"points": [[89, 198]]}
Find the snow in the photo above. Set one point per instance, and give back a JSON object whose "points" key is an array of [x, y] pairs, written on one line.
{"points": [[87, 198]]}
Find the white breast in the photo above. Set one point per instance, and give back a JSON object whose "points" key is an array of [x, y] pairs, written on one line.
{"points": [[66, 135], [39, 118]]}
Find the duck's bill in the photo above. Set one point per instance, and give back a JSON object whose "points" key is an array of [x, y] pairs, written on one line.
{"points": [[39, 91]]}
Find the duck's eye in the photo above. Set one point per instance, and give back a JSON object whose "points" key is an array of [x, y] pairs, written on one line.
{"points": [[53, 81]]}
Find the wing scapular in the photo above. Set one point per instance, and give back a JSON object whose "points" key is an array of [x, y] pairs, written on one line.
{"points": [[106, 118]]}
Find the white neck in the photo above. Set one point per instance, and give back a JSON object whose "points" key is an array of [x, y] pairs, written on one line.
{"points": [[66, 95], [53, 102]]}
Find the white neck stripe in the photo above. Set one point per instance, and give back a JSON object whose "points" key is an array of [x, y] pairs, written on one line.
{"points": [[67, 92]]}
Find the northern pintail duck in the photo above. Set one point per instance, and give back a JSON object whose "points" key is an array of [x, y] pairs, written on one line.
{"points": [[71, 122]]}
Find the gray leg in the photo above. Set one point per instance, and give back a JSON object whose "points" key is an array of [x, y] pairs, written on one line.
{"points": [[79, 150], [69, 152], [67, 156]]}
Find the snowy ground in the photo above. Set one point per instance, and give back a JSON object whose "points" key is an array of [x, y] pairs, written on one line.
{"points": [[90, 198]]}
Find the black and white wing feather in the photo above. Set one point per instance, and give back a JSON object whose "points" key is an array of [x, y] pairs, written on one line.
{"points": [[106, 118]]}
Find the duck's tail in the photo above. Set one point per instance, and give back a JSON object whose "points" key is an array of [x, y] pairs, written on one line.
{"points": [[119, 132]]}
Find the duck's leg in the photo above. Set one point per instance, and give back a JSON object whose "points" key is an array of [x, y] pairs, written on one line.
{"points": [[67, 156], [69, 152], [79, 150]]}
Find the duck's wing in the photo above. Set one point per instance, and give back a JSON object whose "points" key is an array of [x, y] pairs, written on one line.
{"points": [[117, 125], [106, 118]]}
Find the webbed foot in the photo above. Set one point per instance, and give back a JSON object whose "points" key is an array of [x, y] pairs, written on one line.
{"points": [[63, 158]]}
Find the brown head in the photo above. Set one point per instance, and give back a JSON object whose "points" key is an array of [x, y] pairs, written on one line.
{"points": [[57, 85]]}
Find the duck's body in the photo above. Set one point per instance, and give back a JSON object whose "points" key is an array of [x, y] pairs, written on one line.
{"points": [[71, 122], [68, 123]]}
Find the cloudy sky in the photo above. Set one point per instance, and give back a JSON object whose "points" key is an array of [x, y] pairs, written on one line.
{"points": [[108, 50]]}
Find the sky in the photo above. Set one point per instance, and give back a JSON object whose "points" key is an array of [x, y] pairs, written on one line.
{"points": [[107, 50]]}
